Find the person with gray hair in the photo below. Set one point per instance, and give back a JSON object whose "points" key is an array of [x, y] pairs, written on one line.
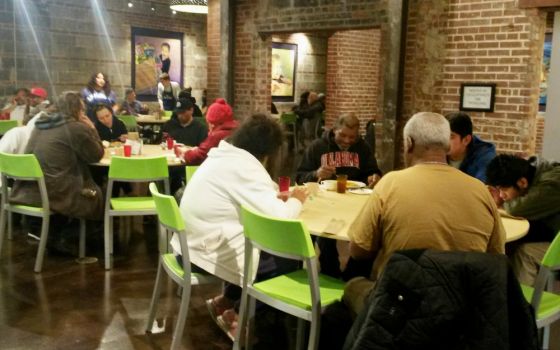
{"points": [[428, 205]]}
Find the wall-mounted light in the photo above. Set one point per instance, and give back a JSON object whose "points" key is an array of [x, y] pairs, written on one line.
{"points": [[192, 6], [152, 6], [130, 4]]}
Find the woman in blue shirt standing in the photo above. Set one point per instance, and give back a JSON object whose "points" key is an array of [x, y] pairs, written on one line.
{"points": [[98, 91]]}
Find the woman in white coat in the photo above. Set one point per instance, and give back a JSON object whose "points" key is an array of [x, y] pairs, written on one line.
{"points": [[235, 174]]}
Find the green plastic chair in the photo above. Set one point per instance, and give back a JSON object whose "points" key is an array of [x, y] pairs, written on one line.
{"points": [[303, 293], [6, 125], [190, 170], [170, 220], [129, 121], [545, 303], [25, 167], [290, 120], [167, 114], [124, 169]]}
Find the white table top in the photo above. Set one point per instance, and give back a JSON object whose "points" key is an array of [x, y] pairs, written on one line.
{"points": [[147, 151], [330, 214]]}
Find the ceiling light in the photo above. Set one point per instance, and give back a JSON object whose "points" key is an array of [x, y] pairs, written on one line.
{"points": [[192, 6]]}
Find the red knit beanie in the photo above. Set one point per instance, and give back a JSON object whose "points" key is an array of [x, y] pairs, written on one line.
{"points": [[219, 112]]}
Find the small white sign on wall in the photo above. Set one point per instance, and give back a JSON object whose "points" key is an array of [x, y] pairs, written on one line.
{"points": [[477, 97]]}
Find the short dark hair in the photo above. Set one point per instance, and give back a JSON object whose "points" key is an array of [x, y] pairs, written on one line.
{"points": [[26, 90], [460, 123], [506, 169], [101, 106], [128, 91], [166, 44], [259, 135]]}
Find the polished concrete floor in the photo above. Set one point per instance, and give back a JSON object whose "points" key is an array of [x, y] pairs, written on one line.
{"points": [[73, 306]]}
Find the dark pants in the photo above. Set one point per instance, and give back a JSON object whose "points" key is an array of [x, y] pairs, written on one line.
{"points": [[330, 264], [269, 266]]}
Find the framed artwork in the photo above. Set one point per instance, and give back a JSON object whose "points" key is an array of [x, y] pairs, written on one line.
{"points": [[155, 52], [477, 97], [545, 70], [283, 72]]}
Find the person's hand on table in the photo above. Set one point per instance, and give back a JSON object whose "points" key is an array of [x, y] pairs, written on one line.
{"points": [[325, 172], [373, 179], [123, 138], [181, 150], [300, 193]]}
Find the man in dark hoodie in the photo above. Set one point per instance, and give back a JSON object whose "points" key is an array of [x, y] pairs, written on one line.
{"points": [[339, 151], [467, 152], [530, 189]]}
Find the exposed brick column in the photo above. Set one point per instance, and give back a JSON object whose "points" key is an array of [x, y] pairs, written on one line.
{"points": [[213, 50], [353, 75]]}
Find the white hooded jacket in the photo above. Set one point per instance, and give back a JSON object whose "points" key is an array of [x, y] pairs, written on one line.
{"points": [[229, 178]]}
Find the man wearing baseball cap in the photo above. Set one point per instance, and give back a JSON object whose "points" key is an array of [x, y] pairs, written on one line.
{"points": [[184, 129], [37, 103]]}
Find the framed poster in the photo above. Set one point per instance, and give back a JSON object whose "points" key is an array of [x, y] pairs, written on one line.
{"points": [[283, 72], [545, 70], [155, 52], [477, 97]]}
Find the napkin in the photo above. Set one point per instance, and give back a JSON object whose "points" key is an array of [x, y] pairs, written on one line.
{"points": [[334, 226]]}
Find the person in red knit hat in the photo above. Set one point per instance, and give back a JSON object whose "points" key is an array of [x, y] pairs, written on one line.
{"points": [[220, 125]]}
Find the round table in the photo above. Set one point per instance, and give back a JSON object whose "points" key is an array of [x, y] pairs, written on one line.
{"points": [[147, 151]]}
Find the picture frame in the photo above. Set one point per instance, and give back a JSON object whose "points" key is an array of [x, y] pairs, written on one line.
{"points": [[154, 52], [477, 97], [545, 71], [283, 72]]}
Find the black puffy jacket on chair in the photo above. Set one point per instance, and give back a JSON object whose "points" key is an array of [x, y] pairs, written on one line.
{"points": [[429, 299]]}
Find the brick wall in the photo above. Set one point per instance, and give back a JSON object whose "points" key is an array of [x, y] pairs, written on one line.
{"points": [[74, 44], [455, 41], [252, 51], [311, 69], [353, 75], [213, 45]]}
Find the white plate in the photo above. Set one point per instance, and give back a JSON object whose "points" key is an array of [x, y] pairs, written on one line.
{"points": [[361, 191], [330, 185]]}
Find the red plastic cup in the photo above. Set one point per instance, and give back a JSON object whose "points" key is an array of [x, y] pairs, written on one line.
{"points": [[127, 150], [284, 184], [170, 143]]}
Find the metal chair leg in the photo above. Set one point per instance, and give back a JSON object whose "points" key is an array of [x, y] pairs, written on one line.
{"points": [[155, 297], [82, 251], [241, 323], [42, 244], [181, 318], [10, 225], [2, 227], [108, 241]]}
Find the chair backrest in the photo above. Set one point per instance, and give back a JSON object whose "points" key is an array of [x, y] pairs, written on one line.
{"points": [[6, 125], [138, 169], [129, 121], [190, 170], [20, 166], [552, 257], [288, 118], [23, 167], [167, 114], [167, 209], [290, 238]]}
